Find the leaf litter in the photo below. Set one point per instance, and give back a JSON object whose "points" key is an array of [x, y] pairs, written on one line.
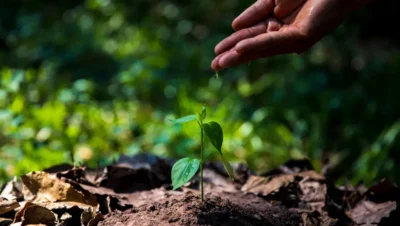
{"points": [[138, 191]]}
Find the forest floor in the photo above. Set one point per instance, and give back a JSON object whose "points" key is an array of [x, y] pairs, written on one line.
{"points": [[137, 191]]}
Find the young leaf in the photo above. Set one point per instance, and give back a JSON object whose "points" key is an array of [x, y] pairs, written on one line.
{"points": [[183, 170], [227, 167], [185, 119], [214, 132]]}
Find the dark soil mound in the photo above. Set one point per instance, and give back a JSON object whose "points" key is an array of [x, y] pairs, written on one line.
{"points": [[224, 210]]}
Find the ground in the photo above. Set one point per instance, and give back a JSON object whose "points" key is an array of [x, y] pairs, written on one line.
{"points": [[137, 191]]}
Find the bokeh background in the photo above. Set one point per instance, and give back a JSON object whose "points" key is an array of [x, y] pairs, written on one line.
{"points": [[97, 78]]}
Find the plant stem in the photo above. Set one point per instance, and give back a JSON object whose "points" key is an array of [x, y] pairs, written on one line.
{"points": [[201, 163]]}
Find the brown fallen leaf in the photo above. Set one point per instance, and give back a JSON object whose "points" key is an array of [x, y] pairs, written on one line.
{"points": [[108, 200], [20, 213], [13, 190], [260, 185], [43, 188], [54, 194], [305, 189], [38, 215], [7, 206], [265, 186], [313, 193], [367, 212]]}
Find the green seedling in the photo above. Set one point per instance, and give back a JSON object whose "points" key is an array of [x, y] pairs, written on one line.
{"points": [[184, 169]]}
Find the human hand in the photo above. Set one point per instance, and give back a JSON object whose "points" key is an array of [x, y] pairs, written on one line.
{"points": [[274, 27]]}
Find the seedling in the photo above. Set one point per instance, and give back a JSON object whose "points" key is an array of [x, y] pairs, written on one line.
{"points": [[184, 169]]}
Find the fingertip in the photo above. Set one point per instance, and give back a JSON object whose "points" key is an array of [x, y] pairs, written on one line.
{"points": [[214, 65], [235, 24], [218, 49]]}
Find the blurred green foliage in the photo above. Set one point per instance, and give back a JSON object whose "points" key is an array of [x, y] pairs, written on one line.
{"points": [[97, 78]]}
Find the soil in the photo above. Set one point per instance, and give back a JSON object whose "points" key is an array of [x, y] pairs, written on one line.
{"points": [[188, 209], [138, 191]]}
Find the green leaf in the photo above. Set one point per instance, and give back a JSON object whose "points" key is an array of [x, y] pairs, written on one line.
{"points": [[185, 119], [183, 170], [214, 132], [227, 167]]}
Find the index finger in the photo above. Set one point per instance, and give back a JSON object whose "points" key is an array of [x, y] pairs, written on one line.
{"points": [[254, 14], [291, 40], [240, 35]]}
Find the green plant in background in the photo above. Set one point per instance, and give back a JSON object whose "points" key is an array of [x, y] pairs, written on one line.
{"points": [[184, 169]]}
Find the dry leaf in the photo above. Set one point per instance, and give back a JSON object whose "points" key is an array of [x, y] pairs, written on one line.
{"points": [[367, 212], [313, 193], [21, 211], [38, 215], [49, 191], [12, 190], [108, 200], [6, 206], [43, 188], [260, 185]]}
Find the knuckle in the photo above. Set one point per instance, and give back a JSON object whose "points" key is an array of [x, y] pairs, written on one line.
{"points": [[251, 31]]}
